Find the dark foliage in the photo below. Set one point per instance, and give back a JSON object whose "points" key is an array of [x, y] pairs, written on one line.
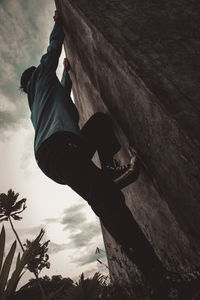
{"points": [[31, 291], [40, 257]]}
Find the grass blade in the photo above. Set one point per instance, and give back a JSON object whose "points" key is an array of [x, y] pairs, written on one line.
{"points": [[6, 266], [18, 260], [2, 245]]}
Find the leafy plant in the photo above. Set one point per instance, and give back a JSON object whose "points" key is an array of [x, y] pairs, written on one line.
{"points": [[85, 289], [8, 287], [11, 208], [54, 287], [96, 288], [40, 257]]}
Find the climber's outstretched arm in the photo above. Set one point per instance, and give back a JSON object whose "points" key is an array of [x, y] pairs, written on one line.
{"points": [[51, 58]]}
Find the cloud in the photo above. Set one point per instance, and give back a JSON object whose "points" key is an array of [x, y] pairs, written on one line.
{"points": [[6, 105], [73, 217], [24, 233], [30, 232], [25, 27], [80, 231], [83, 236], [87, 233], [55, 248], [50, 220], [8, 74], [89, 257]]}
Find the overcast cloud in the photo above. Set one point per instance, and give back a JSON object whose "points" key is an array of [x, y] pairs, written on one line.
{"points": [[79, 231], [81, 234], [73, 217], [90, 257], [24, 27]]}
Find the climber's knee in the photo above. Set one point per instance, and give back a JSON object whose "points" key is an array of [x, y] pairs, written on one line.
{"points": [[100, 116], [101, 120]]}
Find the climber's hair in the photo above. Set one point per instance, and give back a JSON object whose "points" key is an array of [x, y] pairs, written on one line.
{"points": [[26, 75]]}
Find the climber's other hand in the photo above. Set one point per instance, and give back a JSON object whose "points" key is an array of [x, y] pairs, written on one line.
{"points": [[66, 64], [56, 15]]}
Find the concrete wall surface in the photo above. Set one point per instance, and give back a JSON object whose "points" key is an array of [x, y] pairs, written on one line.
{"points": [[139, 62]]}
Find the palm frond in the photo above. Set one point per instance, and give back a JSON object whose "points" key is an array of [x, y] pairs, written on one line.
{"points": [[20, 205], [3, 202], [12, 197], [9, 206], [3, 219], [2, 197], [15, 217], [1, 209]]}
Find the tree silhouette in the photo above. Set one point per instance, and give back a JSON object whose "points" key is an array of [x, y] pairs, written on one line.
{"points": [[56, 284], [11, 208]]}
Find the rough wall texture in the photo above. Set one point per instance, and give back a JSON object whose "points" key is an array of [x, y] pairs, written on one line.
{"points": [[139, 61]]}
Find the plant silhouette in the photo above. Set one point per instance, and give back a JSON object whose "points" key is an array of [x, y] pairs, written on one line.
{"points": [[11, 208]]}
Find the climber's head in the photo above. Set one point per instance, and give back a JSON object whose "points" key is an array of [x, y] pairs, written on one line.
{"points": [[26, 75]]}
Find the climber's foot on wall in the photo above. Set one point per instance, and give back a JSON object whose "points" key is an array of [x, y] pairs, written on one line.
{"points": [[123, 175], [175, 286]]}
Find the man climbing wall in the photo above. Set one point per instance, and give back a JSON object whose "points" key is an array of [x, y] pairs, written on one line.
{"points": [[64, 151]]}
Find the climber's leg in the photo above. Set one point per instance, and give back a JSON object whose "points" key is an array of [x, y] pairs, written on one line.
{"points": [[68, 165], [71, 166], [99, 136], [108, 202]]}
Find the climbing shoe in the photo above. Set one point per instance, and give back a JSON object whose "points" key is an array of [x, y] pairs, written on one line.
{"points": [[115, 170], [122, 175]]}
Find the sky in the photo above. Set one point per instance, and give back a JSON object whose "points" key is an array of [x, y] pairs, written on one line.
{"points": [[71, 226]]}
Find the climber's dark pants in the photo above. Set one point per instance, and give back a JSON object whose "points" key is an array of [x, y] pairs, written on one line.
{"points": [[75, 168]]}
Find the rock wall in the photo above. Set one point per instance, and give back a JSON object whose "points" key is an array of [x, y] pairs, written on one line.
{"points": [[139, 61]]}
